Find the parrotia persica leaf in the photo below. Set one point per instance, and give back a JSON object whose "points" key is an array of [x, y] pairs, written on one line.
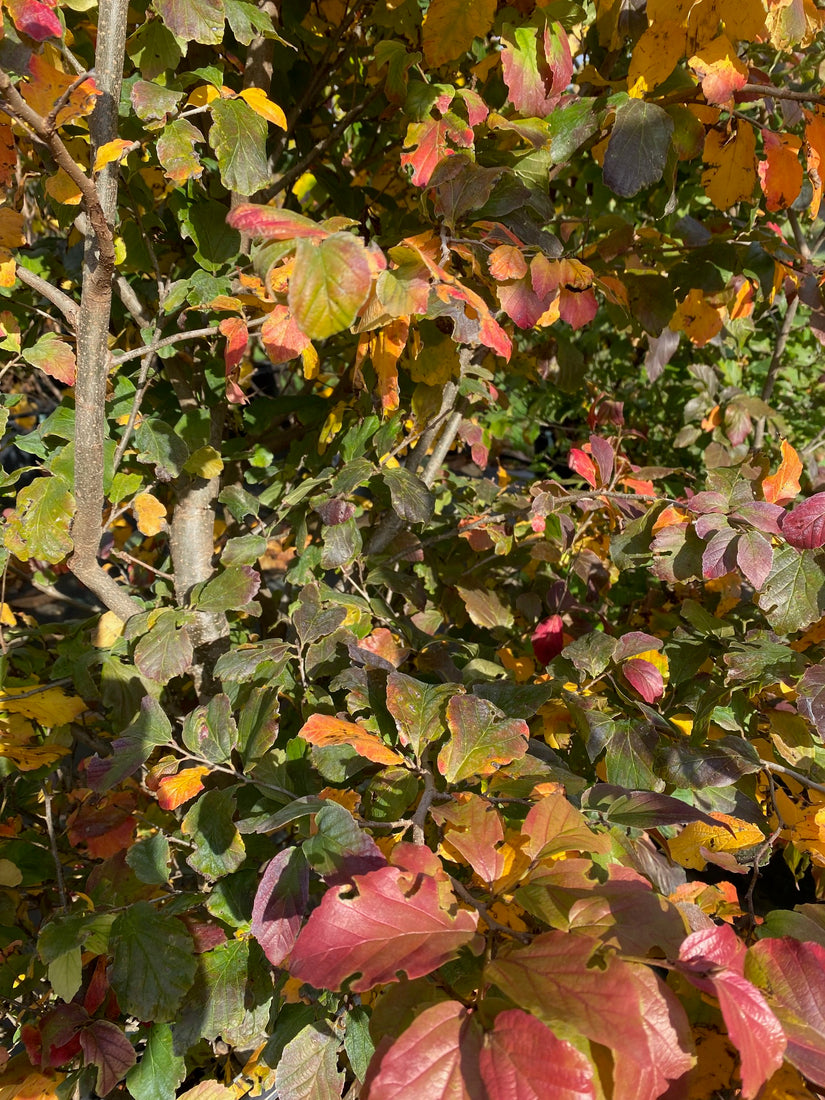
{"points": [[330, 283], [792, 977], [218, 847], [436, 1057], [482, 738], [730, 175], [811, 689], [36, 20], [153, 962], [418, 709], [390, 921], [231, 590], [105, 1046], [521, 1059], [781, 172], [637, 150], [165, 650], [713, 960], [324, 729], [54, 357], [644, 677], [198, 20], [280, 902], [160, 1070], [475, 830], [783, 486], [308, 1068], [793, 595], [39, 525], [238, 136], [537, 65], [804, 526], [274, 224], [174, 790], [719, 69], [619, 1005], [553, 826], [451, 25], [176, 151]]}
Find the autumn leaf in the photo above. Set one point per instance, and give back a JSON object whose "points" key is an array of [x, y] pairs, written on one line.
{"points": [[698, 840], [324, 730], [54, 357], [731, 173], [149, 513], [697, 318], [48, 85], [451, 25], [263, 106], [783, 486], [174, 790], [283, 340], [719, 69], [780, 174], [815, 153]]}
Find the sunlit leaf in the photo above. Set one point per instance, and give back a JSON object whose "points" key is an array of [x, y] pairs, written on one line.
{"points": [[330, 283], [324, 730], [451, 25]]}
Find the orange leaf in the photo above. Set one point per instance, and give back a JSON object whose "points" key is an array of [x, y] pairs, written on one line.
{"points": [[815, 152], [323, 730], [731, 172], [669, 517], [719, 69], [781, 172], [48, 84], [237, 337], [174, 790], [149, 514], [386, 346], [783, 486], [507, 262], [697, 318]]}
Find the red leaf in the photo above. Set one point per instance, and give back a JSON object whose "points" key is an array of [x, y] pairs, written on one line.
{"points": [[754, 556], [522, 1059], [604, 457], [435, 1058], [54, 357], [273, 224], [280, 903], [577, 307], [804, 527], [548, 639], [644, 677], [105, 1046], [713, 960], [390, 921], [537, 67], [283, 340], [429, 142], [36, 20], [793, 976], [583, 465], [237, 338], [521, 304]]}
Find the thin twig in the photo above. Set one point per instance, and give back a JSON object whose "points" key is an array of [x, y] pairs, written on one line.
{"points": [[769, 91], [177, 338], [491, 922], [775, 366], [32, 691], [67, 306], [58, 866], [423, 808], [118, 554], [791, 774]]}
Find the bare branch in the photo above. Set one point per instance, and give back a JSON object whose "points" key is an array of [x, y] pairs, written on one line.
{"points": [[67, 306]]}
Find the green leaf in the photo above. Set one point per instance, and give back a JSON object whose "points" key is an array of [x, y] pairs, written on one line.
{"points": [[231, 590], [230, 998], [159, 1071], [308, 1067], [411, 499], [159, 443], [149, 859], [66, 974], [238, 136], [176, 152], [154, 49], [311, 620], [153, 962], [247, 21], [196, 20], [150, 729], [218, 845], [482, 738], [419, 709], [357, 1041], [637, 151], [329, 284], [39, 525], [210, 731], [793, 596], [217, 243], [342, 544], [165, 651]]}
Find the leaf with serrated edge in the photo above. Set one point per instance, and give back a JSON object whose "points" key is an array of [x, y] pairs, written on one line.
{"points": [[160, 1070], [153, 962], [308, 1067], [482, 738], [522, 1059]]}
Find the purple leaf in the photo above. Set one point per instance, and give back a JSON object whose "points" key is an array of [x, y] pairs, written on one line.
{"points": [[604, 455], [634, 643], [719, 557], [707, 502], [761, 515], [811, 690], [104, 1045], [280, 903], [754, 556], [804, 527]]}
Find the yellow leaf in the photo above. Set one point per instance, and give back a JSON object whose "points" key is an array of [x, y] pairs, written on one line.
{"points": [[11, 228], [107, 631], [10, 873], [206, 462], [697, 318], [685, 848], [257, 100], [311, 362], [815, 154], [20, 1082], [386, 346], [657, 53], [63, 189], [112, 150], [7, 617], [451, 25], [48, 84], [730, 175], [149, 514], [202, 96], [49, 707], [8, 268]]}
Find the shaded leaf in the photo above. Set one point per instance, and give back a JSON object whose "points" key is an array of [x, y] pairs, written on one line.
{"points": [[218, 847], [411, 499], [105, 1046], [637, 150], [450, 27], [153, 962], [280, 903], [159, 1071]]}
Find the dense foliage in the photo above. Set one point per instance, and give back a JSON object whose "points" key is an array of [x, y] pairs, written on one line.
{"points": [[412, 629]]}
